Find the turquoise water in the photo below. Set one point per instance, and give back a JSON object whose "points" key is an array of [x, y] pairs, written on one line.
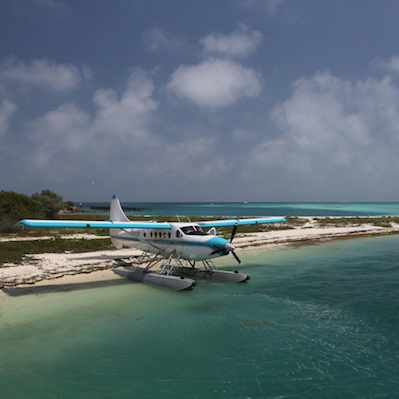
{"points": [[313, 322], [255, 208]]}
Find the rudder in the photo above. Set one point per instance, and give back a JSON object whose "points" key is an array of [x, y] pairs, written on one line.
{"points": [[116, 211], [116, 214]]}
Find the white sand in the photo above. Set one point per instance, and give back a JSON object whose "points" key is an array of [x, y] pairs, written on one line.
{"points": [[304, 233], [48, 266], [78, 236]]}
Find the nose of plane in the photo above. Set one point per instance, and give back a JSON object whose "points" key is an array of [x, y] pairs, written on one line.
{"points": [[222, 247], [229, 247], [220, 244]]}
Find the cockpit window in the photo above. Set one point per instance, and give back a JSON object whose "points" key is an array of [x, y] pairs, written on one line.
{"points": [[193, 231]]}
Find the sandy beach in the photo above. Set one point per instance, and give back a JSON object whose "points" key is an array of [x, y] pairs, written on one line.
{"points": [[79, 236], [61, 268]]}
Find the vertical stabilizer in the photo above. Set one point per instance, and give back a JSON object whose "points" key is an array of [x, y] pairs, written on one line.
{"points": [[116, 214], [116, 211]]}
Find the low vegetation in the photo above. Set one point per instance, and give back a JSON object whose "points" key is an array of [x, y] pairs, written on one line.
{"points": [[15, 206]]}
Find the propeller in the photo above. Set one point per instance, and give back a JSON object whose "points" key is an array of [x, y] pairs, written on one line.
{"points": [[228, 248], [233, 233], [236, 257]]}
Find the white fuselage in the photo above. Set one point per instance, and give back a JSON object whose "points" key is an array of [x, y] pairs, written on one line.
{"points": [[184, 240]]}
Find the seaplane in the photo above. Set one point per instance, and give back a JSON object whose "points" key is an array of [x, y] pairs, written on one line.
{"points": [[176, 247]]}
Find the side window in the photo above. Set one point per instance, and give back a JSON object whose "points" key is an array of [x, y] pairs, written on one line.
{"points": [[145, 234], [169, 235], [151, 234]]}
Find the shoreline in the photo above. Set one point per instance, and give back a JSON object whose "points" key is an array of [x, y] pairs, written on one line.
{"points": [[54, 269]]}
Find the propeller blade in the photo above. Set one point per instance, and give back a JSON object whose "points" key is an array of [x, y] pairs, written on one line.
{"points": [[233, 233], [236, 257]]}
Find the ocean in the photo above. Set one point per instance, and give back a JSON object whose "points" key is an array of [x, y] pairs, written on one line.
{"points": [[251, 208], [319, 321]]}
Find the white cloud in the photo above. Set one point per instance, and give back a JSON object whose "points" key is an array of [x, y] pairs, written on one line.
{"points": [[126, 116], [215, 83], [65, 129], [389, 65], [118, 144], [156, 40], [239, 43], [331, 132], [116, 121], [43, 73], [7, 109]]}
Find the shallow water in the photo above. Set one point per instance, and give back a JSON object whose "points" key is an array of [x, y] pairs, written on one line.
{"points": [[313, 322], [254, 208]]}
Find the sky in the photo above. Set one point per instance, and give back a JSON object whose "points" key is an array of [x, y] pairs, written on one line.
{"points": [[240, 100]]}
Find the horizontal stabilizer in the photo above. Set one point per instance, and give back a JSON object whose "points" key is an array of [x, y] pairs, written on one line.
{"points": [[89, 224], [241, 222]]}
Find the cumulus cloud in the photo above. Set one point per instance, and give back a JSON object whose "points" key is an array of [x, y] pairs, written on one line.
{"points": [[59, 131], [239, 43], [330, 139], [123, 142], [43, 74], [117, 120], [126, 116], [215, 83], [333, 131], [389, 65], [7, 109]]}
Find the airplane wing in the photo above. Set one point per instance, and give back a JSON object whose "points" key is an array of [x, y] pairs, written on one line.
{"points": [[241, 222], [90, 224]]}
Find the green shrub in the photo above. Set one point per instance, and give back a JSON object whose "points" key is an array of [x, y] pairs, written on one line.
{"points": [[15, 206], [49, 202]]}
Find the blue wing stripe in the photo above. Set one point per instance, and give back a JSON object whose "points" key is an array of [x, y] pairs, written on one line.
{"points": [[241, 222], [89, 224]]}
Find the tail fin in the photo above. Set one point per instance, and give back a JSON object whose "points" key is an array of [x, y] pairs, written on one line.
{"points": [[116, 211], [116, 214]]}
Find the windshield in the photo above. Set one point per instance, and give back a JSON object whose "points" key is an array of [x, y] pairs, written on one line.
{"points": [[193, 231]]}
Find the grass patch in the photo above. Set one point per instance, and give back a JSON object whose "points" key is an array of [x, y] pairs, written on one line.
{"points": [[14, 251]]}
